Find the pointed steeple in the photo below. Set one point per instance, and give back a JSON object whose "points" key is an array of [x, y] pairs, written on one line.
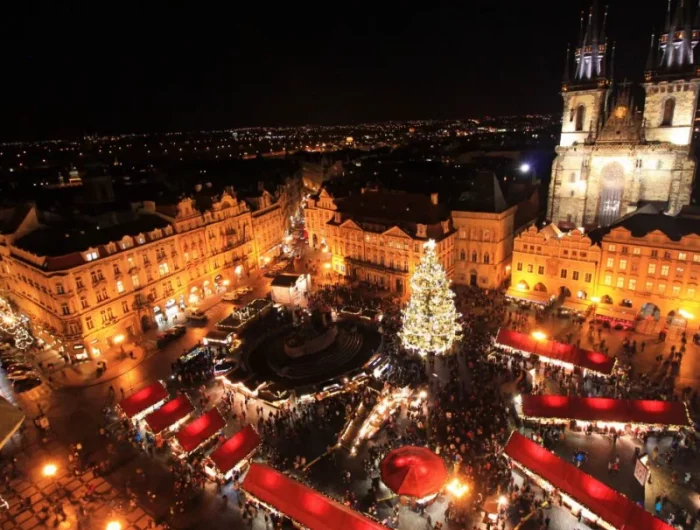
{"points": [[651, 58], [592, 49], [566, 64], [667, 24], [676, 43]]}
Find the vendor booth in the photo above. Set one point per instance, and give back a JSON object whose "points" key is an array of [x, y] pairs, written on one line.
{"points": [[226, 341], [584, 495], [196, 433], [170, 416], [414, 471], [145, 401], [557, 353], [234, 453], [302, 504], [604, 412]]}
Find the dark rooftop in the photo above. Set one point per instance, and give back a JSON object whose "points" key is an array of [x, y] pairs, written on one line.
{"points": [[285, 280], [647, 219], [393, 207]]}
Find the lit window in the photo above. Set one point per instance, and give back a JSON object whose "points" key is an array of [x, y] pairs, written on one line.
{"points": [[120, 286], [623, 264], [612, 248], [607, 280], [682, 256], [636, 251], [620, 281], [632, 284], [135, 280], [664, 270], [652, 268], [648, 287], [691, 292], [610, 263], [662, 288], [676, 290]]}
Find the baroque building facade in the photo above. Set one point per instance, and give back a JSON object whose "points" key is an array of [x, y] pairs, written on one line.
{"points": [[92, 287], [612, 157]]}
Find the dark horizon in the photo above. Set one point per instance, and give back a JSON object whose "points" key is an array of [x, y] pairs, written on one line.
{"points": [[72, 72]]}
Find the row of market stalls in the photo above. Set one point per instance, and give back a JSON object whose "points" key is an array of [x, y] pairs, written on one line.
{"points": [[584, 495], [568, 356], [167, 419], [618, 414]]}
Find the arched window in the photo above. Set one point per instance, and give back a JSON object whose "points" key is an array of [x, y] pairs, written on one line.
{"points": [[462, 255], [669, 108], [473, 255], [580, 117], [486, 258]]}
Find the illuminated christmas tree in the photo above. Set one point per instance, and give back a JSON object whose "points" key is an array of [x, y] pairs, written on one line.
{"points": [[430, 318]]}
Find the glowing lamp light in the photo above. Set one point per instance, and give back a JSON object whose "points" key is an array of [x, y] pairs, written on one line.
{"points": [[686, 314], [595, 299], [227, 282], [118, 339], [423, 394], [238, 269], [113, 525], [522, 286], [525, 168], [49, 470], [539, 335], [193, 299], [456, 488], [326, 265], [502, 501]]}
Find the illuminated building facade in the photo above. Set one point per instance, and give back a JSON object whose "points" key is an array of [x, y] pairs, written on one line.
{"points": [[611, 156], [377, 236], [644, 269], [93, 286]]}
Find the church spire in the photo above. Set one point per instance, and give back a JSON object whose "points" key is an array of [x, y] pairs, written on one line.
{"points": [[566, 64], [677, 42], [592, 49], [651, 58]]}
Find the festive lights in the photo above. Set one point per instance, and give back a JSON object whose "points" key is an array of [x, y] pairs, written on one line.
{"points": [[15, 325], [456, 488], [429, 320]]}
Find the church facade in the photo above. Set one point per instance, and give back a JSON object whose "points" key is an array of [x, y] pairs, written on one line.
{"points": [[613, 156]]}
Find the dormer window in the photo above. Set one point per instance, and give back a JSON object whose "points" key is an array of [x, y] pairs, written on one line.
{"points": [[141, 240], [91, 255]]}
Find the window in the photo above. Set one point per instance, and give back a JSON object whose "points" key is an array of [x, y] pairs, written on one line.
{"points": [[94, 277], [574, 275], [474, 257], [652, 268], [662, 288], [79, 282], [648, 287], [486, 258], [624, 250], [664, 270], [90, 256], [462, 255], [572, 178], [125, 306], [654, 253], [89, 323], [163, 269], [563, 273], [529, 267], [59, 288], [669, 108], [679, 272], [83, 302], [135, 280], [149, 276], [519, 266], [612, 248], [580, 117], [691, 292], [682, 256], [667, 255], [620, 281], [696, 258], [120, 286], [610, 263], [65, 309], [623, 264], [178, 282], [636, 251], [676, 290], [632, 284], [540, 269], [588, 277], [103, 316], [102, 295], [634, 267], [608, 279]]}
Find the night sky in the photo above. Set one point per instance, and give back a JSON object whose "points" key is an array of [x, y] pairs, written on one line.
{"points": [[163, 68]]}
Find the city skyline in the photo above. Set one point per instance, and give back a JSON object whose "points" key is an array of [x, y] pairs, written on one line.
{"points": [[77, 73]]}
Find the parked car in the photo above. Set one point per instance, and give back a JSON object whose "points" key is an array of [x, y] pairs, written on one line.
{"points": [[162, 339], [24, 385], [231, 296], [178, 331], [224, 366], [6, 363], [16, 376], [198, 316]]}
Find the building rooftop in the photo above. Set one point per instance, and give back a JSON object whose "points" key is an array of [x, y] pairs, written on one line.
{"points": [[285, 280], [393, 207], [648, 219]]}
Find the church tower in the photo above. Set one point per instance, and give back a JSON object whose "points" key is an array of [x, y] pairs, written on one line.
{"points": [[585, 93]]}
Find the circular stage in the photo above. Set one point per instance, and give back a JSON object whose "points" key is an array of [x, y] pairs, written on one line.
{"points": [[341, 351]]}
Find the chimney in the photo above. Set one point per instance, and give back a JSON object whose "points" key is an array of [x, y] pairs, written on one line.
{"points": [[434, 199]]}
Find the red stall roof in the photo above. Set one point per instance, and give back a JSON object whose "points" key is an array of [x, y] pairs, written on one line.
{"points": [[605, 409], [413, 471], [235, 449], [143, 399], [200, 430], [603, 501], [567, 353], [169, 414], [301, 503]]}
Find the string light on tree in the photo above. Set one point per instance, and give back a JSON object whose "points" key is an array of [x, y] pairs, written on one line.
{"points": [[15, 325], [430, 318]]}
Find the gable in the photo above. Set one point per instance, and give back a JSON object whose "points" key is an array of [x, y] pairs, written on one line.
{"points": [[395, 231]]}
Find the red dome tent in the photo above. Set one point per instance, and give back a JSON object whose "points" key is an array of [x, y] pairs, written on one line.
{"points": [[413, 471]]}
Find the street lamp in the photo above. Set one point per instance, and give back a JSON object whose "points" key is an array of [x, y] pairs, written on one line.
{"points": [[525, 167], [456, 488], [49, 470], [539, 335], [113, 525]]}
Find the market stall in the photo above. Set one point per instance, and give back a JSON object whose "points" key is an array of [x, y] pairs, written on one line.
{"points": [[566, 355], [170, 416], [302, 504], [198, 432], [604, 412], [145, 401], [225, 341], [414, 471], [234, 453], [584, 495]]}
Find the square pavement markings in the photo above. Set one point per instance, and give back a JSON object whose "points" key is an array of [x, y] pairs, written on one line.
{"points": [[30, 523], [104, 487], [137, 514], [23, 516], [74, 485], [8, 525]]}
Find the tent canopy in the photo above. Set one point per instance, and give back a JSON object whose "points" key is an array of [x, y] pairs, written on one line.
{"points": [[567, 353], [200, 430], [143, 399], [603, 501], [235, 449], [169, 414], [605, 409], [11, 418], [413, 471], [302, 504]]}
